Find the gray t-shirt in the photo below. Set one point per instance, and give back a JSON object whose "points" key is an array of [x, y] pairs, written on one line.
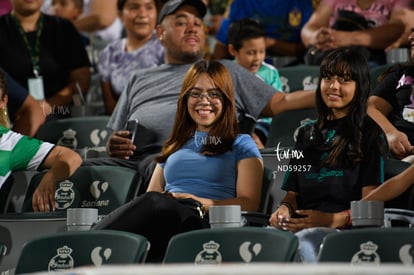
{"points": [[151, 97]]}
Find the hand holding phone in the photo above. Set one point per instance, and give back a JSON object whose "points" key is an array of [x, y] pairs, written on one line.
{"points": [[141, 136], [117, 146], [132, 127], [297, 215]]}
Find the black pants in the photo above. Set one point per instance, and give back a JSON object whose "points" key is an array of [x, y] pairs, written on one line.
{"points": [[156, 216], [144, 164]]}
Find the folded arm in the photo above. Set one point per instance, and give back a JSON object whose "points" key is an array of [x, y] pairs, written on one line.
{"points": [[378, 109], [61, 163]]}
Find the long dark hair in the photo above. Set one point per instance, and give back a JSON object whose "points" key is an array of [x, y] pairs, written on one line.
{"points": [[224, 127], [346, 149]]}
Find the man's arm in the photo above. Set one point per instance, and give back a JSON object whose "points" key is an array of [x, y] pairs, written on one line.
{"points": [[29, 117], [393, 187], [61, 163], [375, 38], [26, 113], [318, 21], [378, 109], [281, 102], [102, 14], [407, 16]]}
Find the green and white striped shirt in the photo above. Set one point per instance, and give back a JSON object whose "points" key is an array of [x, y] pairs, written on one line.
{"points": [[18, 152]]}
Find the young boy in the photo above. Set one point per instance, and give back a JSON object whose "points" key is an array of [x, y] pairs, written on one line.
{"points": [[248, 46], [68, 9]]}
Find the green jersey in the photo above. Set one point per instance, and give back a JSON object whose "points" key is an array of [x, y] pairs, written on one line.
{"points": [[19, 152]]}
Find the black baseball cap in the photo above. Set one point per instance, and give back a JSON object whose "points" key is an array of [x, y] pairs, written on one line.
{"points": [[172, 5]]}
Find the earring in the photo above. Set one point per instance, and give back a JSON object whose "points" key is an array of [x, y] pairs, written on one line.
{"points": [[4, 117]]}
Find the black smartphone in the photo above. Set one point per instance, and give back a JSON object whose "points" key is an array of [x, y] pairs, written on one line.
{"points": [[297, 216], [132, 126], [141, 136]]}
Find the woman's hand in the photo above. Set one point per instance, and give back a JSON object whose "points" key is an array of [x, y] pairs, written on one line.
{"points": [[399, 144], [61, 163], [311, 218], [43, 199], [281, 214], [324, 39]]}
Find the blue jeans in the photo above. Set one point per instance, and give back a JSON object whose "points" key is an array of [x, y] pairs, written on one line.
{"points": [[310, 241]]}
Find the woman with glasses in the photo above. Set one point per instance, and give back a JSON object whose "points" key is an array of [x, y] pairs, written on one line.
{"points": [[204, 162]]}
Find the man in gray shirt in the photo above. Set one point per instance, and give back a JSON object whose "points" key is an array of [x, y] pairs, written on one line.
{"points": [[151, 95]]}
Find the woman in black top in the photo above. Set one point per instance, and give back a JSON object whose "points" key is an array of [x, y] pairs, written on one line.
{"points": [[339, 157]]}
